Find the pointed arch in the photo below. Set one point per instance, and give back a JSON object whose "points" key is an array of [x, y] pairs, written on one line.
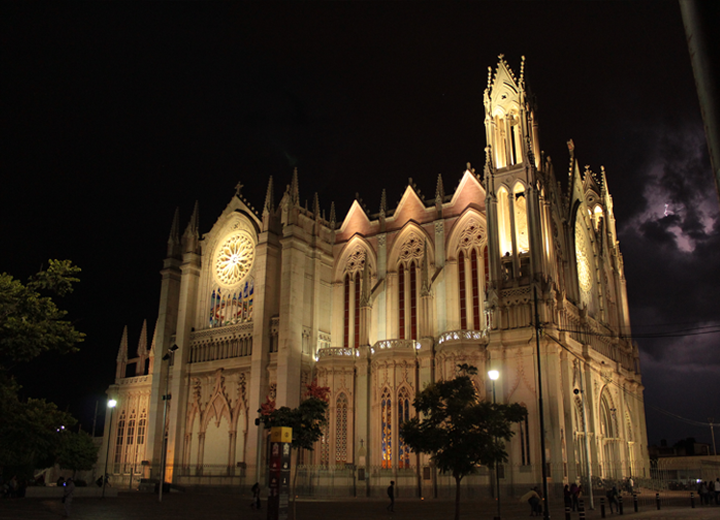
{"points": [[357, 249], [341, 428], [403, 414]]}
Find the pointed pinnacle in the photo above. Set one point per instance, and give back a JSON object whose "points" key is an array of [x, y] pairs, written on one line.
{"points": [[439, 190], [294, 188], [332, 215], [383, 202], [316, 206], [151, 352], [270, 197], [122, 351], [175, 228], [142, 343], [194, 224]]}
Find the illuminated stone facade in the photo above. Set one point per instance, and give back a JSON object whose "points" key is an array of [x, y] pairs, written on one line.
{"points": [[378, 305]]}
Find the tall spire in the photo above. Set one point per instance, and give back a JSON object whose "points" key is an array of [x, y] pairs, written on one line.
{"points": [[191, 235], [332, 215], [269, 197], [294, 189], [122, 355], [151, 351], [142, 343], [122, 351], [174, 238], [383, 204]]}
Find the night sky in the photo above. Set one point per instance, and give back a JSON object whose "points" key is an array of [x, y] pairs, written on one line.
{"points": [[113, 115]]}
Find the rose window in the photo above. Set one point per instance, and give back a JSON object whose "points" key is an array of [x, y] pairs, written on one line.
{"points": [[234, 259]]}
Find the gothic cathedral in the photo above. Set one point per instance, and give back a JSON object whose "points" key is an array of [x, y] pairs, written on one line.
{"points": [[377, 305]]}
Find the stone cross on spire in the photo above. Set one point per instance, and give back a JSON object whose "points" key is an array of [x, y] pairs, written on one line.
{"points": [[239, 186]]}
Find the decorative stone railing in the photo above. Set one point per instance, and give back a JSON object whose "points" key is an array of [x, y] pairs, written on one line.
{"points": [[344, 352], [396, 344], [133, 380], [463, 335]]}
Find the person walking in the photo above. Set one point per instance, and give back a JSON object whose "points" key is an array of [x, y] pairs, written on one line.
{"points": [[612, 496], [256, 496], [391, 496], [68, 496]]}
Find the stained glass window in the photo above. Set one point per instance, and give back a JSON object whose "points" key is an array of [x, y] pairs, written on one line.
{"points": [[386, 429], [403, 415], [357, 310]]}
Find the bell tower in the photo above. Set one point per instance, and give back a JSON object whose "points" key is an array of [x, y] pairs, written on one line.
{"points": [[511, 177]]}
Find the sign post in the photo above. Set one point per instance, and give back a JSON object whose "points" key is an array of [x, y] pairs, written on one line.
{"points": [[279, 497]]}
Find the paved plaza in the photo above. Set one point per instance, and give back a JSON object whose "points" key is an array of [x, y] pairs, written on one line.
{"points": [[207, 506]]}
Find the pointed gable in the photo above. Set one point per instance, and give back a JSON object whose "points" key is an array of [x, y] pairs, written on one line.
{"points": [[469, 192], [409, 208], [356, 221]]}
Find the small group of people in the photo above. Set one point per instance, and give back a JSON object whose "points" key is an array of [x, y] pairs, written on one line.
{"points": [[709, 492], [534, 498], [571, 495]]}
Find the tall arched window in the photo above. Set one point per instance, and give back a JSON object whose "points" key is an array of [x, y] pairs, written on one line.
{"points": [[522, 238], [352, 288], [504, 229], [472, 274], [403, 416], [120, 438], [341, 427], [463, 290], [386, 430], [325, 445], [409, 262]]}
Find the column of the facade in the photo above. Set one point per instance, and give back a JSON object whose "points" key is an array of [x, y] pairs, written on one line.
{"points": [[178, 392], [265, 306], [535, 231], [554, 412], [292, 304], [165, 328]]}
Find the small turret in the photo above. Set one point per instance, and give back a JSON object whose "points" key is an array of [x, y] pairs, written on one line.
{"points": [[294, 189]]}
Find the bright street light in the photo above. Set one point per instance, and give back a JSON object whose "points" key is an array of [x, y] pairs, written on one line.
{"points": [[112, 403]]}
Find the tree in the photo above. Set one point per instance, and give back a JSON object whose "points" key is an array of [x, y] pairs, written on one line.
{"points": [[460, 431], [77, 451], [31, 323], [306, 421]]}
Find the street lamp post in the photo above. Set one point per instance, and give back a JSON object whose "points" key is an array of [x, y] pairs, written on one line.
{"points": [[494, 375], [163, 458], [111, 404]]}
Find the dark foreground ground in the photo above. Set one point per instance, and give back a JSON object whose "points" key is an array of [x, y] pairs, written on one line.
{"points": [[180, 506]]}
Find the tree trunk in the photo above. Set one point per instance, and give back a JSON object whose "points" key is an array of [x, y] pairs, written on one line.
{"points": [[457, 497]]}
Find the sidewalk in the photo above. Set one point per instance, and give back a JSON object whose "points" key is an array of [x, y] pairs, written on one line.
{"points": [[180, 506]]}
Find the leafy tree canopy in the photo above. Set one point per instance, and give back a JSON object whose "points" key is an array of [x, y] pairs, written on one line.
{"points": [[306, 421], [30, 324], [30, 321], [459, 430], [77, 451]]}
